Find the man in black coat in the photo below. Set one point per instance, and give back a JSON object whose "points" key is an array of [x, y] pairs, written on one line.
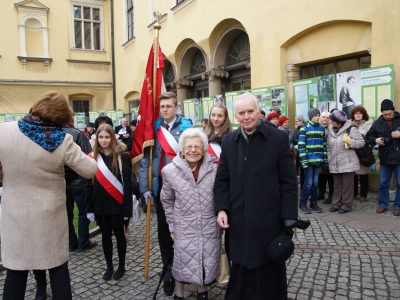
{"points": [[123, 131], [385, 132], [255, 193]]}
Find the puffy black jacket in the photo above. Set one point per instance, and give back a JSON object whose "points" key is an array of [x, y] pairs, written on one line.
{"points": [[78, 183], [390, 152]]}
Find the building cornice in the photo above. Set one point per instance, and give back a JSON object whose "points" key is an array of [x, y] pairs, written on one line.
{"points": [[90, 84], [95, 62]]}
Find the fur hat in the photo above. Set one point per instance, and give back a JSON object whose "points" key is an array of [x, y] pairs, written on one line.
{"points": [[312, 112], [272, 115], [338, 116], [282, 120], [387, 105]]}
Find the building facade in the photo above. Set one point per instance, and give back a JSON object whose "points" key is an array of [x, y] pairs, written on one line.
{"points": [[211, 47], [55, 45]]}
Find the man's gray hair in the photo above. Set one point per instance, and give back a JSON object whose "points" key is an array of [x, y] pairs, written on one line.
{"points": [[247, 96], [193, 133]]}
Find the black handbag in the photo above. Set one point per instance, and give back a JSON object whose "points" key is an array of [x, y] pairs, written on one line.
{"points": [[365, 153]]}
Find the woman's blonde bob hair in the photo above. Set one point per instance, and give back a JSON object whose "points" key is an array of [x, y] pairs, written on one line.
{"points": [[193, 133], [52, 107]]}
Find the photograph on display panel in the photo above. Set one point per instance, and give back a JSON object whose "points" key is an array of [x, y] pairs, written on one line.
{"points": [[348, 90]]}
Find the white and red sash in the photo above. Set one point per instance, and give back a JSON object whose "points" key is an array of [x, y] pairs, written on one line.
{"points": [[108, 181], [168, 142], [215, 150]]}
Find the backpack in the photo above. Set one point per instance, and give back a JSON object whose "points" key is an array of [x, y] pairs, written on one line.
{"points": [[365, 153]]}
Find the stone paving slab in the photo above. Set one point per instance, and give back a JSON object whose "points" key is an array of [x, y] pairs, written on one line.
{"points": [[333, 259]]}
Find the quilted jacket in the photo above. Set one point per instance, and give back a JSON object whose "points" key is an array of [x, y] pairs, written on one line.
{"points": [[189, 210], [343, 160]]}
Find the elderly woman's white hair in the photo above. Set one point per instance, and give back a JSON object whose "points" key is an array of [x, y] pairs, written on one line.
{"points": [[325, 114], [193, 133]]}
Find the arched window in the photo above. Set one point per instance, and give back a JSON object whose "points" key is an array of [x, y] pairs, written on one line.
{"points": [[198, 64], [169, 76], [237, 64], [239, 50]]}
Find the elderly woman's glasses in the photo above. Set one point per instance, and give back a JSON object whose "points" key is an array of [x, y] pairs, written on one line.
{"points": [[190, 147]]}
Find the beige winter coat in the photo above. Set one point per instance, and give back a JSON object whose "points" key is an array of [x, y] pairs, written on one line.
{"points": [[363, 128], [189, 209], [343, 160], [34, 226]]}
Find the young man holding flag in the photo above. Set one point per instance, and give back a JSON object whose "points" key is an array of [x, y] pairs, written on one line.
{"points": [[168, 129]]}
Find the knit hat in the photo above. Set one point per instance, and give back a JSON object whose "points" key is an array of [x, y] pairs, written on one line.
{"points": [[282, 120], [312, 112], [300, 117], [277, 109], [387, 105], [338, 116], [272, 115]]}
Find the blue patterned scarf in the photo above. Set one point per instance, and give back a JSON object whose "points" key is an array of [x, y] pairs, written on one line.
{"points": [[46, 135]]}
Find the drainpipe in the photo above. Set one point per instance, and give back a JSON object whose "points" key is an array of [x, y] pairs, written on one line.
{"points": [[113, 55]]}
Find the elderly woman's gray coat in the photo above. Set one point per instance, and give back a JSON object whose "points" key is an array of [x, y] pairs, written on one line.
{"points": [[343, 160], [189, 210]]}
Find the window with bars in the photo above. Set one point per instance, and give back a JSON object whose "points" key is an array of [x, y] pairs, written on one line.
{"points": [[130, 20], [87, 27]]}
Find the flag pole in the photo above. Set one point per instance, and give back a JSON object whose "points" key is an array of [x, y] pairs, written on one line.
{"points": [[156, 27]]}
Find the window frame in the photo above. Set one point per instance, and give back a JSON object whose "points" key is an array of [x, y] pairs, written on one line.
{"points": [[313, 66], [127, 25], [88, 4]]}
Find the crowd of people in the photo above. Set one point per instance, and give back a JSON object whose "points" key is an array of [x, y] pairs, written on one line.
{"points": [[237, 186]]}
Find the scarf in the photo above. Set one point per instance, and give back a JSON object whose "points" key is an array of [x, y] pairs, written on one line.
{"points": [[45, 134]]}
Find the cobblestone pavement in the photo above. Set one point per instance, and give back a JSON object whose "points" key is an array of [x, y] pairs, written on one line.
{"points": [[332, 260]]}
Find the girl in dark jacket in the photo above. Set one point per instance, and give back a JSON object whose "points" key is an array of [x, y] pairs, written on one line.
{"points": [[110, 196], [219, 124]]}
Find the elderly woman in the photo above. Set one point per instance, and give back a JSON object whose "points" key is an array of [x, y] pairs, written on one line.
{"points": [[361, 120], [187, 198], [325, 176], [34, 233], [273, 117], [343, 160], [284, 125]]}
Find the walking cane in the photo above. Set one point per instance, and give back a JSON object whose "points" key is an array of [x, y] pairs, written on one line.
{"points": [[165, 268]]}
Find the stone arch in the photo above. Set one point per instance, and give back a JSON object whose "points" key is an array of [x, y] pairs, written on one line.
{"points": [[221, 38], [302, 47], [188, 49], [131, 104]]}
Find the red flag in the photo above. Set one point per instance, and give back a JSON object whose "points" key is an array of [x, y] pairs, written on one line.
{"points": [[148, 113]]}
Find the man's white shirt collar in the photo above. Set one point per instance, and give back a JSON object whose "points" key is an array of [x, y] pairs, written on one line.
{"points": [[170, 124]]}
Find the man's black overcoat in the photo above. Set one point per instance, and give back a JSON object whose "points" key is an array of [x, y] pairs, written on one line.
{"points": [[256, 185]]}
